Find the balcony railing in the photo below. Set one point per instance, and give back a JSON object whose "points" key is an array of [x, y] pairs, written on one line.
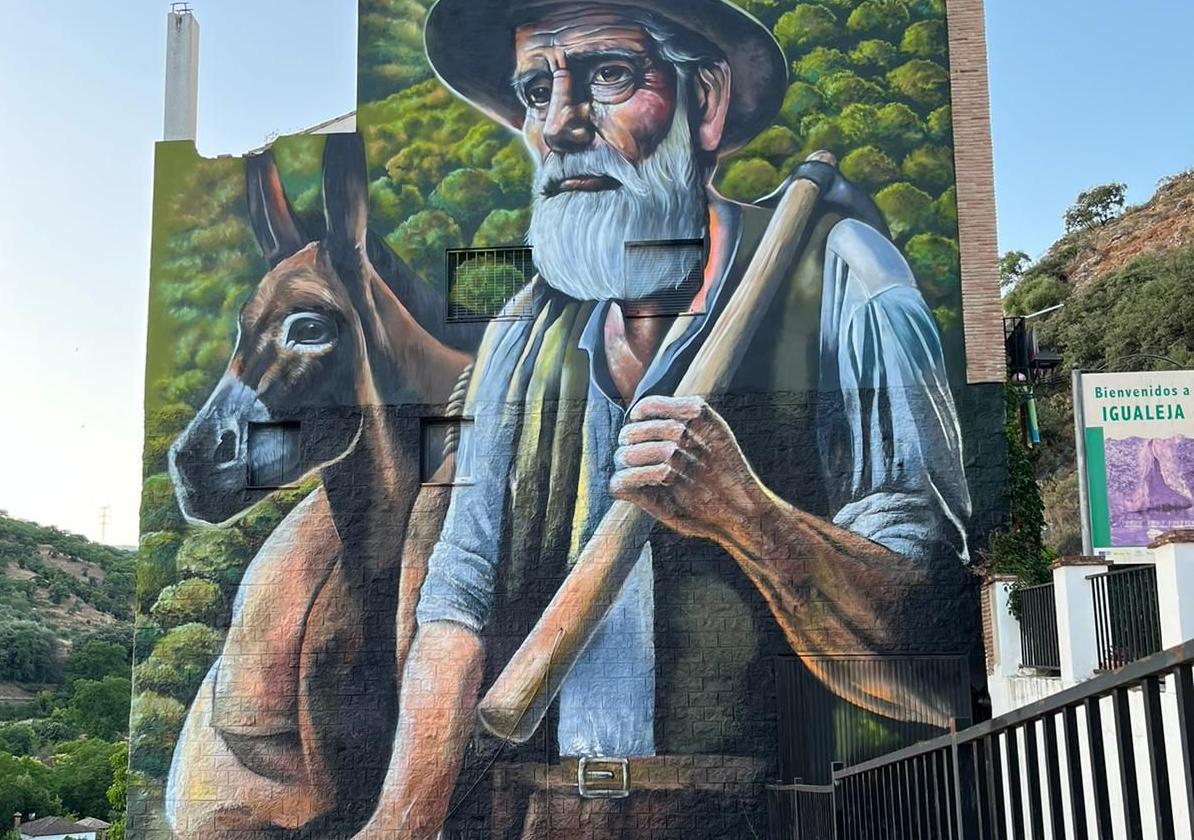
{"points": [[1127, 619], [1038, 628]]}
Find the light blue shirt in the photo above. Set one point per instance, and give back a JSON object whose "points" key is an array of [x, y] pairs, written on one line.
{"points": [[892, 462]]}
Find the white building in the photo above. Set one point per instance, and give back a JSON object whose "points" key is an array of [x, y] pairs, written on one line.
{"points": [[59, 828]]}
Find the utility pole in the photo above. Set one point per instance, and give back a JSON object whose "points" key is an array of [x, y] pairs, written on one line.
{"points": [[103, 522]]}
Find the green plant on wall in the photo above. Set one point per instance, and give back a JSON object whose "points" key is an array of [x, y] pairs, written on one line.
{"points": [[1019, 548]]}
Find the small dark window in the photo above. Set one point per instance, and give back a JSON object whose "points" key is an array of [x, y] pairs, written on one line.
{"points": [[441, 437], [273, 454], [680, 261], [481, 281]]}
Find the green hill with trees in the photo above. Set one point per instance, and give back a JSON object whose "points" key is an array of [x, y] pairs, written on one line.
{"points": [[66, 637]]}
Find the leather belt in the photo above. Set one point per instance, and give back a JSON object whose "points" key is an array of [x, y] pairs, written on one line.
{"points": [[614, 777], [599, 777]]}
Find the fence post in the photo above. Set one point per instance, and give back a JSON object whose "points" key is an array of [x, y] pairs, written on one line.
{"points": [[1001, 640], [1076, 641], [839, 804], [965, 799], [1173, 553], [1004, 650]]}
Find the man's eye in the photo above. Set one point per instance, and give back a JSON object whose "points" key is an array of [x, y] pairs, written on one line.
{"points": [[611, 74], [538, 94]]}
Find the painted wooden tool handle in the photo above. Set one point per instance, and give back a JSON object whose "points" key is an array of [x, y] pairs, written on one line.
{"points": [[518, 699]]}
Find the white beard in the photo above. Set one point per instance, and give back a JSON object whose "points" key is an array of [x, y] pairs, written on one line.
{"points": [[579, 237]]}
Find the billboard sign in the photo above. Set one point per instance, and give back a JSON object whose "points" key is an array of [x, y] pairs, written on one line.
{"points": [[1137, 430]]}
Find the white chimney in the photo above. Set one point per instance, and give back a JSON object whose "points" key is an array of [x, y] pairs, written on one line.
{"points": [[182, 73]]}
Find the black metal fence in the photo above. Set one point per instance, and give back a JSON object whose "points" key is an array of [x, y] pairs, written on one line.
{"points": [[1038, 628], [799, 812], [1127, 619], [1024, 773]]}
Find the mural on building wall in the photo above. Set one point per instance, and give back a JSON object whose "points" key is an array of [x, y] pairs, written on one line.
{"points": [[657, 484]]}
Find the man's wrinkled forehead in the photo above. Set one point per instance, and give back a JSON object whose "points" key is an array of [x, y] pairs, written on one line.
{"points": [[578, 29]]}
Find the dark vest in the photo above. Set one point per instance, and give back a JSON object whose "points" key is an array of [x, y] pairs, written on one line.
{"points": [[715, 638]]}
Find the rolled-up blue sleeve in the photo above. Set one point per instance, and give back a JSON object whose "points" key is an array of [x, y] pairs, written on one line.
{"points": [[889, 435], [462, 569]]}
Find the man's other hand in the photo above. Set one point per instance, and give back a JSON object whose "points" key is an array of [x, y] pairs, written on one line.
{"points": [[678, 460]]}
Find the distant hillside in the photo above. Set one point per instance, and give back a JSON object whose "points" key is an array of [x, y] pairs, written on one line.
{"points": [[1128, 289], [1164, 222], [56, 589], [66, 639]]}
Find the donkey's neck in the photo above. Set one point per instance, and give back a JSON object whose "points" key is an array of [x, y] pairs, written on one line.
{"points": [[371, 489], [410, 366], [409, 374]]}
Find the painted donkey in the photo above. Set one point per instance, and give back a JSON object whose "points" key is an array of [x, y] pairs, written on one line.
{"points": [[293, 724]]}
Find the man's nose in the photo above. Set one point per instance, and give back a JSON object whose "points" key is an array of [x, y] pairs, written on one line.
{"points": [[568, 126]]}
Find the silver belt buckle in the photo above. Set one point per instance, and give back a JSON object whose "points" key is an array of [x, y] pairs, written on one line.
{"points": [[603, 778]]}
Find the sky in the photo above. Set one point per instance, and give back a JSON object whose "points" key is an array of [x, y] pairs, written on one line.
{"points": [[1082, 92]]}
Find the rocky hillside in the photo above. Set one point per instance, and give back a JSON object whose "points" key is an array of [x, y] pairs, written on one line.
{"points": [[1164, 222], [1128, 289], [65, 648]]}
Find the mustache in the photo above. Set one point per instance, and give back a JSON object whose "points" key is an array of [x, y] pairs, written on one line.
{"points": [[599, 162]]}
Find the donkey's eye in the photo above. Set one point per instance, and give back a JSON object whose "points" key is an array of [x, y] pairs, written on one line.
{"points": [[308, 329]]}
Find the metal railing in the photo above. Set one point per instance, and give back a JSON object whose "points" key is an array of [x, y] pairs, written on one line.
{"points": [[799, 812], [1127, 619], [1015, 775], [1038, 628]]}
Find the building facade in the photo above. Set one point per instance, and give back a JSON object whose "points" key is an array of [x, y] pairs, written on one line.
{"points": [[509, 458], [59, 828]]}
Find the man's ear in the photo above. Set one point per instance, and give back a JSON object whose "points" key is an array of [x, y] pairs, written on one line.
{"points": [[713, 98]]}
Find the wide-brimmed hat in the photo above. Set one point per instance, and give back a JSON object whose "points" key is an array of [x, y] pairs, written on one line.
{"points": [[470, 44]]}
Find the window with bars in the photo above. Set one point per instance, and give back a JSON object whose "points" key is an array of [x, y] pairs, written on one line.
{"points": [[273, 450], [481, 281], [679, 262], [440, 437]]}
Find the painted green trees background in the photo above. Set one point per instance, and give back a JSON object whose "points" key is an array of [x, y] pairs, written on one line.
{"points": [[869, 81], [204, 263]]}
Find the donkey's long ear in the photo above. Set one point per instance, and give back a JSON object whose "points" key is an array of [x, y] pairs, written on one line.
{"points": [[274, 223], [345, 192]]}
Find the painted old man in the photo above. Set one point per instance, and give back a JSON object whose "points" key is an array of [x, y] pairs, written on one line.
{"points": [[818, 505]]}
